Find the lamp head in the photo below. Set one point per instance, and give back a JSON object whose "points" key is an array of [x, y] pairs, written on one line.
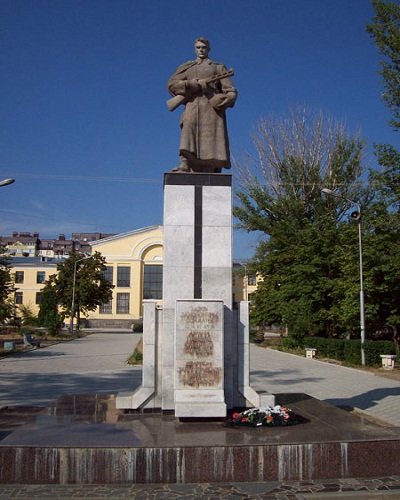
{"points": [[6, 182]]}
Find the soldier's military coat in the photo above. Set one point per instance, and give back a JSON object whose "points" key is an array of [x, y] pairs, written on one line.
{"points": [[204, 137]]}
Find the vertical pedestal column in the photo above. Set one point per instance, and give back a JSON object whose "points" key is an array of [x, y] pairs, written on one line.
{"points": [[196, 357], [197, 268]]}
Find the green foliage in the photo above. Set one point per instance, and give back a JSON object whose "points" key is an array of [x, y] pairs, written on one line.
{"points": [[91, 289], [279, 194], [49, 316], [374, 348], [137, 356], [348, 351], [385, 32], [289, 343], [7, 307], [137, 327], [384, 214], [27, 315]]}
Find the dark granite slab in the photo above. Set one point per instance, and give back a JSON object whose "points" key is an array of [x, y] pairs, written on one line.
{"points": [[85, 439]]}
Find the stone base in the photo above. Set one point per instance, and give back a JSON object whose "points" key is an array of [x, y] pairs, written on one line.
{"points": [[86, 440]]}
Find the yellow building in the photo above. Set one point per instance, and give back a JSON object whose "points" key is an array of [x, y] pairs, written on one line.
{"points": [[243, 282], [134, 266], [29, 275]]}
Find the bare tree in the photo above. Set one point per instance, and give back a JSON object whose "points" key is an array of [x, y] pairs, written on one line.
{"points": [[295, 155]]}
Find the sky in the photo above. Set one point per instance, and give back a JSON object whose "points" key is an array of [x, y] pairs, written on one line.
{"points": [[84, 126]]}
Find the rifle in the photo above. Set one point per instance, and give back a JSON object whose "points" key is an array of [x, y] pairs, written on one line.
{"points": [[176, 101]]}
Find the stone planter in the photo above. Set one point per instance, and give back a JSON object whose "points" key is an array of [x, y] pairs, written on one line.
{"points": [[388, 361], [310, 352]]}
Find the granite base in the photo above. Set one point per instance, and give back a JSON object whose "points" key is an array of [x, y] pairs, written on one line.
{"points": [[86, 440]]}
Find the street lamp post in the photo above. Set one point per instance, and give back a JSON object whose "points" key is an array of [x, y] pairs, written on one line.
{"points": [[356, 216], [71, 326]]}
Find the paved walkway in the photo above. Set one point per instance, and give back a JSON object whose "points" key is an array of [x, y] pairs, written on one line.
{"points": [[279, 372], [89, 365], [97, 364]]}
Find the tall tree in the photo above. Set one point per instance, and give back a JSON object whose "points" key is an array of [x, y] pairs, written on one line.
{"points": [[279, 194], [49, 315], [385, 32], [7, 306], [384, 215], [91, 288]]}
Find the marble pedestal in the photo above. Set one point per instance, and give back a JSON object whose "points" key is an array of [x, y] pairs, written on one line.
{"points": [[197, 368]]}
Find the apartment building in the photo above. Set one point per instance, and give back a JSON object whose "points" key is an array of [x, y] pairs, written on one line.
{"points": [[29, 277], [25, 244]]}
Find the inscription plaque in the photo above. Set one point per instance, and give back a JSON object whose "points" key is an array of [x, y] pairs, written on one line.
{"points": [[199, 375]]}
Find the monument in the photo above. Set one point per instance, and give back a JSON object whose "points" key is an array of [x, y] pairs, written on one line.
{"points": [[196, 348], [196, 360]]}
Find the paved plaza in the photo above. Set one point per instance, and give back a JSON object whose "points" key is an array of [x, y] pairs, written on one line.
{"points": [[96, 364], [89, 365]]}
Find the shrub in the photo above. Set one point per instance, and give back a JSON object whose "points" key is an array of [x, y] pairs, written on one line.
{"points": [[352, 351], [344, 350], [136, 357], [290, 343], [374, 348]]}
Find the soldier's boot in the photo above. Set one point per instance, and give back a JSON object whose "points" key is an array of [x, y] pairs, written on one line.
{"points": [[183, 166]]}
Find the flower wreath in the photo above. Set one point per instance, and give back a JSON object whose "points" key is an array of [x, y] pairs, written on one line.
{"points": [[265, 416]]}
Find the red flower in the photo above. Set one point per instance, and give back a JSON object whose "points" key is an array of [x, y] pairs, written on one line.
{"points": [[244, 419], [235, 415]]}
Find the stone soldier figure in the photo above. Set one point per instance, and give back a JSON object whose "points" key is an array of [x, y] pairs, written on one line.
{"points": [[206, 90]]}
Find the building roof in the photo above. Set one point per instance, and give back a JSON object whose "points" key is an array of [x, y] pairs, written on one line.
{"points": [[34, 261], [128, 234]]}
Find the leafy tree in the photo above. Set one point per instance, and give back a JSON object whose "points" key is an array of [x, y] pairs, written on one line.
{"points": [[92, 288], [7, 306], [27, 314], [49, 315], [279, 194], [384, 216], [385, 32]]}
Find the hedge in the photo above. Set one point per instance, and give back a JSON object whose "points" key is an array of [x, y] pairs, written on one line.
{"points": [[343, 350]]}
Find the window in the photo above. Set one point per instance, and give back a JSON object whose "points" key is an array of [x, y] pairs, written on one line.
{"points": [[106, 308], [39, 297], [152, 281], [123, 276], [108, 274], [19, 276], [251, 280], [19, 297], [122, 303], [40, 276]]}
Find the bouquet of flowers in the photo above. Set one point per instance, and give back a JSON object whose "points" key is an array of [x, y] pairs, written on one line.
{"points": [[265, 416]]}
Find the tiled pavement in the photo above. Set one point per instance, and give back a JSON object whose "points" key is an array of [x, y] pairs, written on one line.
{"points": [[279, 372], [383, 488]]}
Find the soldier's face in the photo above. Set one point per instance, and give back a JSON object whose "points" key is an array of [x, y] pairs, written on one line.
{"points": [[201, 50]]}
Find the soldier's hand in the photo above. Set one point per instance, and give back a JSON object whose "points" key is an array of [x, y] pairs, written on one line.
{"points": [[193, 85]]}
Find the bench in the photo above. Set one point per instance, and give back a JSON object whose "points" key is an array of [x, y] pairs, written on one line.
{"points": [[29, 341]]}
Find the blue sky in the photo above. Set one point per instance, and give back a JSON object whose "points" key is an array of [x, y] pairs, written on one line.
{"points": [[84, 128]]}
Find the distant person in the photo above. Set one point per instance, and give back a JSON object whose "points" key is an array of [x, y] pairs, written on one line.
{"points": [[204, 144]]}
